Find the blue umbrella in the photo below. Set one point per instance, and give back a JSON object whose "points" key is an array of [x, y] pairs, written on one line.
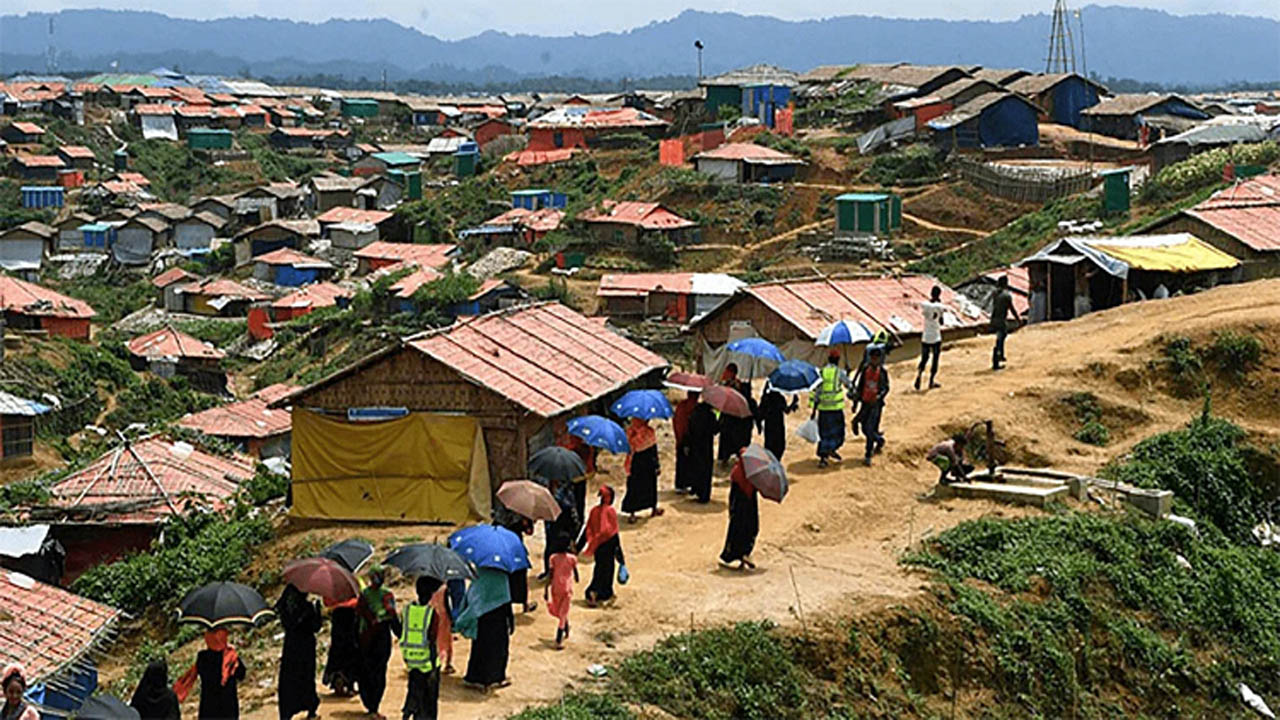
{"points": [[843, 332], [793, 376], [490, 546], [756, 348], [600, 432], [644, 404]]}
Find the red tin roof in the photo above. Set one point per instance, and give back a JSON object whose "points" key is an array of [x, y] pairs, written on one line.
{"points": [[649, 216], [429, 256], [47, 629], [30, 299], [289, 256], [350, 214], [171, 276], [76, 151], [249, 418], [168, 342], [746, 151], [216, 287], [316, 295], [1248, 211], [641, 284], [40, 161], [546, 358]]}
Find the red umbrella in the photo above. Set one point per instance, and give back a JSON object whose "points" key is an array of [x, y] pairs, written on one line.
{"points": [[529, 499], [764, 472], [692, 382], [322, 576], [727, 400]]}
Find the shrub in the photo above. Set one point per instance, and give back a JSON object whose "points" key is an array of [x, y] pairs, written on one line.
{"points": [[578, 706], [1235, 352], [23, 493], [111, 293], [1093, 433], [265, 486], [155, 400], [1205, 169], [917, 162], [220, 333], [1182, 358]]}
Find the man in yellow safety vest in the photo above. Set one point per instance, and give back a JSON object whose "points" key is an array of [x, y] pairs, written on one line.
{"points": [[828, 406], [418, 647]]}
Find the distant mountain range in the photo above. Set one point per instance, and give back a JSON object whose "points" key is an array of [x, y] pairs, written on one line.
{"points": [[1149, 45]]}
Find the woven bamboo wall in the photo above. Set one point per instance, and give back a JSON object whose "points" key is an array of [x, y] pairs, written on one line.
{"points": [[768, 324]]}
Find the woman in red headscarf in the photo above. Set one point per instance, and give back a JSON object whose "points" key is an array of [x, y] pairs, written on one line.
{"points": [[744, 520], [642, 470], [14, 684], [600, 536], [219, 669]]}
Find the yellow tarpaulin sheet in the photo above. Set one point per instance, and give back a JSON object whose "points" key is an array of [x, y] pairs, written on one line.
{"points": [[1190, 254], [418, 468]]}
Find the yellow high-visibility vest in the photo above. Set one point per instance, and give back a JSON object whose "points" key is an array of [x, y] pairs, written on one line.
{"points": [[830, 394], [415, 643]]}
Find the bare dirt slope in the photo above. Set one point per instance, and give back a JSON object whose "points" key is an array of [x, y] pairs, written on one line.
{"points": [[833, 546]]}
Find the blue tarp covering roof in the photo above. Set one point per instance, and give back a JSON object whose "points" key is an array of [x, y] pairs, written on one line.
{"points": [[14, 405]]}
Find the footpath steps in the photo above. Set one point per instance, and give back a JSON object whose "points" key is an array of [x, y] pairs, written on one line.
{"points": [[1038, 495]]}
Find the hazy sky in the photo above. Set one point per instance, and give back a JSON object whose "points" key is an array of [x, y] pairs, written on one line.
{"points": [[460, 18]]}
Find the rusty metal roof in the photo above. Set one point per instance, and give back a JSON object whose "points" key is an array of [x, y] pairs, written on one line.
{"points": [[289, 256], [430, 256], [249, 418], [147, 481], [26, 298], [47, 629], [316, 295], [546, 358], [650, 216], [350, 214], [171, 276], [168, 342]]}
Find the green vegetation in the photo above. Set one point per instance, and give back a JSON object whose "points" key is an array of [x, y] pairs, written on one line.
{"points": [[279, 166], [791, 146], [264, 486], [579, 706], [24, 493], [449, 289], [194, 549], [154, 401], [849, 103], [1216, 475], [12, 213], [1232, 354], [111, 292], [1088, 413], [914, 164], [1205, 169], [220, 333]]}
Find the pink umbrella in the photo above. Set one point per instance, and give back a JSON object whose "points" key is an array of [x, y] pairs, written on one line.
{"points": [[764, 472], [727, 400], [691, 382], [529, 499], [322, 576]]}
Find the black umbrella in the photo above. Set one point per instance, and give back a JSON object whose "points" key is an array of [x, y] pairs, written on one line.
{"points": [[351, 554], [432, 560], [223, 603], [106, 707], [556, 463]]}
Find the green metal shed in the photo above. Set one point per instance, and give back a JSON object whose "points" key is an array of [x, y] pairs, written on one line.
{"points": [[718, 95], [1115, 190], [873, 213], [208, 139], [410, 180], [359, 107]]}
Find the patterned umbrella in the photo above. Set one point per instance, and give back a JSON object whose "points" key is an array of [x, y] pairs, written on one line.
{"points": [[691, 382], [765, 472], [600, 432], [843, 332], [727, 400], [490, 546], [529, 499], [221, 604], [644, 404], [325, 577]]}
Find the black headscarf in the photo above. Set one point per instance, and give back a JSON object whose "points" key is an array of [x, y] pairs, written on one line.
{"points": [[154, 699], [293, 608], [426, 587]]}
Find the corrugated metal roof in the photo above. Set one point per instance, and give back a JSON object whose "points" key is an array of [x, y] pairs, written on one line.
{"points": [[314, 296], [141, 483], [249, 418], [40, 161], [752, 75], [430, 256], [291, 257], [641, 284], [585, 116], [76, 151], [406, 286], [30, 299], [975, 107], [14, 405], [650, 216], [350, 214], [545, 358], [1131, 104], [168, 342], [47, 629], [1248, 211], [28, 128], [746, 151], [171, 276], [220, 287], [153, 109]]}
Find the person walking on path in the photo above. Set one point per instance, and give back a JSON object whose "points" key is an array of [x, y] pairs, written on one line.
{"points": [[680, 428], [219, 669], [700, 450], [931, 338], [565, 529], [735, 432], [486, 619], [870, 390], [771, 418], [948, 456], [342, 665], [377, 623], [296, 687], [587, 453], [559, 592], [440, 605], [1001, 306], [744, 520], [15, 706], [828, 408], [421, 654], [604, 545], [519, 580], [155, 699], [642, 470]]}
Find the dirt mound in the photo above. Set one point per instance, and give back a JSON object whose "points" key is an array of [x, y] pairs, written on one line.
{"points": [[960, 204]]}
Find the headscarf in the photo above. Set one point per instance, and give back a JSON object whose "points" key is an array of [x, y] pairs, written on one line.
{"points": [[215, 640], [426, 587], [684, 411], [602, 524], [739, 477], [152, 699], [730, 375], [490, 590], [292, 608], [641, 437]]}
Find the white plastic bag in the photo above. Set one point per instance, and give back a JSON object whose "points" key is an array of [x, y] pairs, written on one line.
{"points": [[808, 430]]}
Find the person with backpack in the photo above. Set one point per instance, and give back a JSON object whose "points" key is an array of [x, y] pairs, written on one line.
{"points": [[869, 390]]}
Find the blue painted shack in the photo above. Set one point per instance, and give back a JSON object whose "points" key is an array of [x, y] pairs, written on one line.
{"points": [[37, 197], [1124, 116], [761, 100], [988, 121], [99, 235], [537, 198], [291, 268], [756, 91], [1062, 95]]}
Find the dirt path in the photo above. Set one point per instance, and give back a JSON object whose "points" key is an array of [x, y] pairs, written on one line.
{"points": [[841, 530], [942, 228]]}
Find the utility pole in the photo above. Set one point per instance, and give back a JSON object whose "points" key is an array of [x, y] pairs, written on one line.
{"points": [[698, 44], [1084, 67], [51, 54], [1062, 51]]}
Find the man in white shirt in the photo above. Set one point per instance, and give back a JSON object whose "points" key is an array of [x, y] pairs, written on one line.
{"points": [[931, 339]]}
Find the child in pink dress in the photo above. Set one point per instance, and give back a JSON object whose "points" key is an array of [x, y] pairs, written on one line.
{"points": [[559, 592]]}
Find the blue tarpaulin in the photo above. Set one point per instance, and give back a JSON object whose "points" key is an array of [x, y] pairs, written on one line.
{"points": [[1008, 123], [294, 277], [1070, 97]]}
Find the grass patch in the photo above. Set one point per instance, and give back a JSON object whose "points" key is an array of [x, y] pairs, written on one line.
{"points": [[578, 706], [912, 164], [220, 333]]}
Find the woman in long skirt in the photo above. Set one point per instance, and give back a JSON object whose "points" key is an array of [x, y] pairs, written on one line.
{"points": [[642, 470], [296, 688], [487, 619], [219, 669], [559, 592], [519, 580], [342, 665], [744, 520], [700, 440], [604, 545], [680, 428], [378, 621], [771, 415]]}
